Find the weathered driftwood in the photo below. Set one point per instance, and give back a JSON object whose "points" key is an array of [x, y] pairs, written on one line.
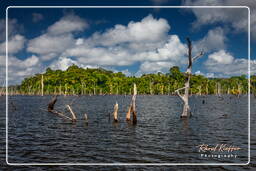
{"points": [[51, 109], [186, 109], [72, 113], [115, 112], [61, 114], [58, 113]]}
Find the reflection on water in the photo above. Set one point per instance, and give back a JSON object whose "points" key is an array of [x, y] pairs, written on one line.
{"points": [[160, 136]]}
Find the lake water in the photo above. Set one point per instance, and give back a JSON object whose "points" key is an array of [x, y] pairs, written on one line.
{"points": [[160, 136]]}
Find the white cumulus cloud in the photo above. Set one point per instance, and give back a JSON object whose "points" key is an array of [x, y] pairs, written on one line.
{"points": [[67, 24], [151, 67], [46, 44], [213, 40], [147, 30], [13, 28], [19, 69], [145, 40], [237, 18], [224, 64], [220, 57], [58, 37], [63, 63], [15, 44]]}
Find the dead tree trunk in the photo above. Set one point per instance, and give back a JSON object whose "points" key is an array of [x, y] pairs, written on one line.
{"points": [[132, 107], [115, 112], [85, 117], [150, 88], [186, 109], [239, 89], [219, 89], [128, 114], [52, 103], [42, 85], [72, 113], [51, 109], [207, 89], [134, 113], [94, 90]]}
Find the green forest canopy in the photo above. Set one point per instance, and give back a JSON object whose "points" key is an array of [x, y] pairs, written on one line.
{"points": [[76, 80]]}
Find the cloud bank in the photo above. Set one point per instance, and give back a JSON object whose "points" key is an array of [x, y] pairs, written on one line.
{"points": [[148, 43]]}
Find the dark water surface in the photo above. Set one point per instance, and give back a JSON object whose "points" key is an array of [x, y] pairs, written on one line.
{"points": [[160, 136]]}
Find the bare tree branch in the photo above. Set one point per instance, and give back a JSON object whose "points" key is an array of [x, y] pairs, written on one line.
{"points": [[198, 56], [180, 89], [182, 97]]}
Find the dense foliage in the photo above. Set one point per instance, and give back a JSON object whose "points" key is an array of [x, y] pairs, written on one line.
{"points": [[77, 80]]}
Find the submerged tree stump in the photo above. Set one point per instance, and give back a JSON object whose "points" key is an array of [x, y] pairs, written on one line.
{"points": [[134, 113], [85, 117], [115, 112], [132, 107], [128, 114]]}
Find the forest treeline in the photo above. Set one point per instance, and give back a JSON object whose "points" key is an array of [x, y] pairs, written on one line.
{"points": [[80, 81]]}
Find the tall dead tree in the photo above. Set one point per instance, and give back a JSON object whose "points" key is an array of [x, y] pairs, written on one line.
{"points": [[200, 90], [207, 89], [218, 89], [66, 89], [42, 85], [239, 89], [150, 88], [186, 109]]}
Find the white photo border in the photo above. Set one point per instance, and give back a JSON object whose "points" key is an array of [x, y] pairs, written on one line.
{"points": [[126, 164]]}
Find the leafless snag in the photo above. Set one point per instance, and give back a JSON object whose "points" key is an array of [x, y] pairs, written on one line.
{"points": [[42, 85], [128, 114], [72, 113], [52, 103], [51, 109], [115, 112], [85, 117], [186, 109], [132, 107]]}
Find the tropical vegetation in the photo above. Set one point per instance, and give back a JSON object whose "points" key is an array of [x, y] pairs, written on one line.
{"points": [[80, 81]]}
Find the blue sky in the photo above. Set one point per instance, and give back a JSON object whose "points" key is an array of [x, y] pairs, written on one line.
{"points": [[133, 41]]}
